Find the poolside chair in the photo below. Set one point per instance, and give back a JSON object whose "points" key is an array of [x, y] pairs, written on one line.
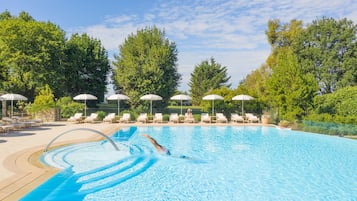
{"points": [[76, 118], [13, 123], [3, 130], [189, 118], [251, 118], [6, 128], [157, 118], [174, 118], [92, 118], [26, 122], [237, 118], [205, 118], [221, 118], [125, 118], [143, 117], [109, 118]]}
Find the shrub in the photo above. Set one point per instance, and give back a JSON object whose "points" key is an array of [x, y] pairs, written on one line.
{"points": [[165, 117], [69, 107], [284, 123], [101, 115], [44, 101]]}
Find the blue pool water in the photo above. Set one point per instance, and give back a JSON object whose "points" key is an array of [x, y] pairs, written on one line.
{"points": [[226, 163]]}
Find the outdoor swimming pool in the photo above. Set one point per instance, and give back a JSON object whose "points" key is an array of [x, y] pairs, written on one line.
{"points": [[227, 163]]}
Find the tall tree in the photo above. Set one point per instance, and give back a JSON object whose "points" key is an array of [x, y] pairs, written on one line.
{"points": [[207, 75], [147, 63], [86, 67], [255, 83], [281, 35], [31, 53], [291, 90], [328, 49]]}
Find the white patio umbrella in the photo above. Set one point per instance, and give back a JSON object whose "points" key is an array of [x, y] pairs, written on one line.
{"points": [[85, 97], [242, 97], [151, 97], [213, 97], [118, 97], [11, 97], [181, 97]]}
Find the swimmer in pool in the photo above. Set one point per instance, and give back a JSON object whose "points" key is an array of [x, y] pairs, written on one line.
{"points": [[161, 149]]}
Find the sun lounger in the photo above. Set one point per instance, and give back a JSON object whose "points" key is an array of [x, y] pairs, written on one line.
{"points": [[13, 123], [125, 118], [25, 122], [78, 117], [6, 128], [221, 118], [92, 118], [237, 118], [109, 118], [142, 118], [251, 118], [157, 118], [174, 118], [205, 118]]}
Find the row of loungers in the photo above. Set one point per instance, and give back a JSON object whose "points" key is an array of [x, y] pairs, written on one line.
{"points": [[158, 118], [93, 118], [17, 123], [205, 118]]}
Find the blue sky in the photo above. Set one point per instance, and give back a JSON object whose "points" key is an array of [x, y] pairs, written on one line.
{"points": [[231, 31]]}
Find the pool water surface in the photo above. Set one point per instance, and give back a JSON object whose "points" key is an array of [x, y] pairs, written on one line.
{"points": [[222, 163]]}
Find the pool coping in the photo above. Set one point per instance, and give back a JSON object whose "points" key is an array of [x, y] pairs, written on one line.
{"points": [[29, 172]]}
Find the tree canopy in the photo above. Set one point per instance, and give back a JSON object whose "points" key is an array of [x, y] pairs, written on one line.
{"points": [[304, 61], [147, 63], [327, 48], [34, 53], [207, 75], [86, 66], [30, 54], [290, 90]]}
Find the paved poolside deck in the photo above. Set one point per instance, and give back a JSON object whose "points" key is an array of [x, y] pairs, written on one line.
{"points": [[20, 150]]}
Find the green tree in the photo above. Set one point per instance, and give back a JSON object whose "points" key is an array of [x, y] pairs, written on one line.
{"points": [[207, 75], [328, 49], [31, 53], [5, 15], [69, 107], [86, 66], [255, 85], [341, 102], [43, 101], [147, 63], [290, 89], [280, 36]]}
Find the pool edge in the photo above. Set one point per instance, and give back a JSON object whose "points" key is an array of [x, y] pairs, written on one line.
{"points": [[29, 172]]}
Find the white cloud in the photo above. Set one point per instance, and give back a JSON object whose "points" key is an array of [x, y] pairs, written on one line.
{"points": [[232, 31]]}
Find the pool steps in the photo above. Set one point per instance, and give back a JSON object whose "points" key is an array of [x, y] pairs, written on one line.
{"points": [[79, 184], [58, 158]]}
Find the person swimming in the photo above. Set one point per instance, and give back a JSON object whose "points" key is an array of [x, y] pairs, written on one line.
{"points": [[161, 149]]}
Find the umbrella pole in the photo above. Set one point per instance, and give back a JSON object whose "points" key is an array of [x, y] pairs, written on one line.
{"points": [[151, 107], [118, 107], [12, 108], [212, 107], [85, 108], [242, 107], [181, 106]]}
